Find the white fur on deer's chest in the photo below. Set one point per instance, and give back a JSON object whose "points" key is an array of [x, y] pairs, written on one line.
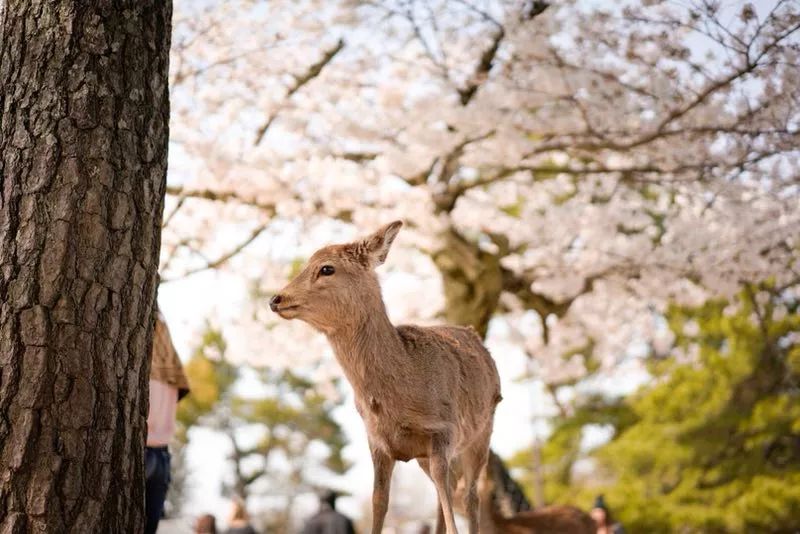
{"points": [[388, 432]]}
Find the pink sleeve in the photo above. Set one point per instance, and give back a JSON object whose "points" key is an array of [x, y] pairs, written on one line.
{"points": [[161, 417]]}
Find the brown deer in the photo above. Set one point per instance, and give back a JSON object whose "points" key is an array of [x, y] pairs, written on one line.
{"points": [[555, 519], [499, 493], [505, 509], [424, 393]]}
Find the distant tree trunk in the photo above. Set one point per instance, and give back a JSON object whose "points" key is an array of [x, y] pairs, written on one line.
{"points": [[538, 474], [472, 281], [83, 153]]}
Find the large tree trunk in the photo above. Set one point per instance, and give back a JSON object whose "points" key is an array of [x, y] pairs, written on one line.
{"points": [[83, 154]]}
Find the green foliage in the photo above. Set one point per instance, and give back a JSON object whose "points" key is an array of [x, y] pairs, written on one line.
{"points": [[563, 198], [293, 415], [210, 377], [712, 443], [563, 448], [515, 209], [548, 170], [288, 410]]}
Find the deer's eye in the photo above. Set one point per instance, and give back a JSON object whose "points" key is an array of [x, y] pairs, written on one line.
{"points": [[327, 270]]}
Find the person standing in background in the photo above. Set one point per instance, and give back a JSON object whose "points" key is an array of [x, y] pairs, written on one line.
{"points": [[168, 384], [603, 518], [328, 520]]}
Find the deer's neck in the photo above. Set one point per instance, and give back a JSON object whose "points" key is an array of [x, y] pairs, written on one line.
{"points": [[370, 352]]}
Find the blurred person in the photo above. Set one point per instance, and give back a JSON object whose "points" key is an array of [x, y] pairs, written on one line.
{"points": [[205, 524], [239, 521], [168, 384], [328, 520], [603, 518]]}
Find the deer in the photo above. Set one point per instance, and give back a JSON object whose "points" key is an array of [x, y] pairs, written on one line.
{"points": [[497, 495], [555, 519], [424, 393]]}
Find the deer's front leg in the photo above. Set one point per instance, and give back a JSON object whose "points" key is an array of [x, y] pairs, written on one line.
{"points": [[382, 465], [440, 473]]}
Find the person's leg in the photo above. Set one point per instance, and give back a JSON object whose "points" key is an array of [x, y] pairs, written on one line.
{"points": [[157, 466]]}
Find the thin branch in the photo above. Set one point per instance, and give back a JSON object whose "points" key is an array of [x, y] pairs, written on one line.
{"points": [[481, 73], [222, 259], [175, 210], [444, 163], [486, 62], [181, 76], [173, 251], [220, 196], [312, 72], [480, 12], [520, 285], [356, 156], [663, 128], [610, 77], [439, 64], [450, 159]]}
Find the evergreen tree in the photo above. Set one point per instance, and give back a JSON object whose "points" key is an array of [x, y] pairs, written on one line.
{"points": [[712, 442]]}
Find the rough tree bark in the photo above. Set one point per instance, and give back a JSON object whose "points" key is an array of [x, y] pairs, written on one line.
{"points": [[472, 281], [83, 154]]}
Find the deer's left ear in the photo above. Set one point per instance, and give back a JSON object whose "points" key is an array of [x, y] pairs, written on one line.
{"points": [[374, 249]]}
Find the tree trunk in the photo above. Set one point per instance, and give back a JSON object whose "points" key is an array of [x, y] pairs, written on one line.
{"points": [[472, 280], [83, 155]]}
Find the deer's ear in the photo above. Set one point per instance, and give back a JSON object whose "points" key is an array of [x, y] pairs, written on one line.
{"points": [[374, 249]]}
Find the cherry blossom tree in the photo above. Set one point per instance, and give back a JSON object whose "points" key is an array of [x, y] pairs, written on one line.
{"points": [[567, 168]]}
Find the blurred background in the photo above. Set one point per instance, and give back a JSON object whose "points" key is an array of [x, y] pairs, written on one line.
{"points": [[609, 192]]}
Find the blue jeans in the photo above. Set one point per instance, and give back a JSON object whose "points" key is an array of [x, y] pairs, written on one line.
{"points": [[156, 472]]}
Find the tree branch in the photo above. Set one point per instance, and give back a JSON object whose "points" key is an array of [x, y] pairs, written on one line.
{"points": [[223, 258], [312, 72], [220, 196], [446, 163], [521, 286], [662, 129], [481, 72]]}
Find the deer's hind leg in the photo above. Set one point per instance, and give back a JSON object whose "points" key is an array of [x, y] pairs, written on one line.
{"points": [[440, 456], [474, 460], [424, 463]]}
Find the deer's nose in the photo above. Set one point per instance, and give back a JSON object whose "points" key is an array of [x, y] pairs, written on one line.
{"points": [[274, 301]]}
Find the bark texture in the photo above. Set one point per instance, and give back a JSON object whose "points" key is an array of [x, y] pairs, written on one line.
{"points": [[83, 151], [472, 280]]}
